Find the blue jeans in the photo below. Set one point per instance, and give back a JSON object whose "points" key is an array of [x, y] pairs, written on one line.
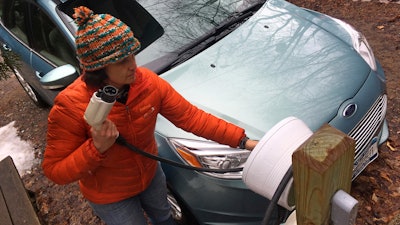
{"points": [[153, 201]]}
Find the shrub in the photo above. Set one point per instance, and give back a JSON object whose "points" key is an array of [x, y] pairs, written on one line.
{"points": [[7, 60]]}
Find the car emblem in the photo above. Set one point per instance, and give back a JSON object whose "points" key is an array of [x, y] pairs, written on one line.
{"points": [[349, 110]]}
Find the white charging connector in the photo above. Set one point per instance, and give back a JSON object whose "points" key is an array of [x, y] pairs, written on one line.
{"points": [[100, 106]]}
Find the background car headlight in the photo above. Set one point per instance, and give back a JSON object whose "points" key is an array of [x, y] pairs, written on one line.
{"points": [[360, 43], [207, 154]]}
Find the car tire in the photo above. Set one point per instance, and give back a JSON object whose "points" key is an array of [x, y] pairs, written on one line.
{"points": [[179, 212], [32, 93]]}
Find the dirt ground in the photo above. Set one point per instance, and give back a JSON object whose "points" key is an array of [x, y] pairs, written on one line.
{"points": [[377, 188]]}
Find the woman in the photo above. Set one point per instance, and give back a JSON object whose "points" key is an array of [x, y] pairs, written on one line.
{"points": [[118, 183]]}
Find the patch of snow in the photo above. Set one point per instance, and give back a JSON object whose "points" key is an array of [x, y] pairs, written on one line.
{"points": [[20, 151]]}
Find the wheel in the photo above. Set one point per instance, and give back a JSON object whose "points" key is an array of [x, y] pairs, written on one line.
{"points": [[33, 95], [179, 212]]}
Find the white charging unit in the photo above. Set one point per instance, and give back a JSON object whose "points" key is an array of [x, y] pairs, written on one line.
{"points": [[272, 157]]}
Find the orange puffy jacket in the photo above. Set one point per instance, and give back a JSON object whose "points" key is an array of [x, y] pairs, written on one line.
{"points": [[120, 173]]}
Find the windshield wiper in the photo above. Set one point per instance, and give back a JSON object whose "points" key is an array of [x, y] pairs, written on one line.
{"points": [[215, 34], [188, 51]]}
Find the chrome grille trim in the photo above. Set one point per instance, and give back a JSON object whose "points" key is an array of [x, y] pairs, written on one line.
{"points": [[370, 124]]}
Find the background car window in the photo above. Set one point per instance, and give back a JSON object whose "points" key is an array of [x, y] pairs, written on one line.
{"points": [[184, 21], [144, 26], [13, 17], [35, 29], [49, 41]]}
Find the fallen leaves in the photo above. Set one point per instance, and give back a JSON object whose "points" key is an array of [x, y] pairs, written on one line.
{"points": [[374, 198], [385, 175], [380, 27], [390, 146]]}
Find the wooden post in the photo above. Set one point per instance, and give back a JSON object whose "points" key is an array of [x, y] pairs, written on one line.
{"points": [[321, 166]]}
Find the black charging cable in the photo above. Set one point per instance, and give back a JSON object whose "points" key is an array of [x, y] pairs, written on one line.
{"points": [[120, 140], [275, 198], [273, 203], [109, 94]]}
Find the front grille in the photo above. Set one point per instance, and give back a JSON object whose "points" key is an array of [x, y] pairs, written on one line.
{"points": [[369, 125], [365, 132]]}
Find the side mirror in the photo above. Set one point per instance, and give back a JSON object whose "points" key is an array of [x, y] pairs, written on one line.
{"points": [[59, 77]]}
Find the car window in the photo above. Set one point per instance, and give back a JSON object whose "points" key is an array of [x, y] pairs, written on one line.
{"points": [[184, 21], [34, 28], [48, 39], [13, 16], [144, 26]]}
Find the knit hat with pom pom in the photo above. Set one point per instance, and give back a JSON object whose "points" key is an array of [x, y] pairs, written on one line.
{"points": [[102, 39]]}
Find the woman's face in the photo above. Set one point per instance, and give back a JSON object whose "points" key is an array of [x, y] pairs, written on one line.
{"points": [[121, 72]]}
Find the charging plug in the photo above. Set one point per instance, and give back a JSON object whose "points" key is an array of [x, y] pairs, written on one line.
{"points": [[100, 106]]}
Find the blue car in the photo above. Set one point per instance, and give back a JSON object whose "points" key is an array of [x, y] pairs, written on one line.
{"points": [[252, 63]]}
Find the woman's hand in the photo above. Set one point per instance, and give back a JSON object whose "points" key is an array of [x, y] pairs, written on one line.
{"points": [[105, 136], [250, 144]]}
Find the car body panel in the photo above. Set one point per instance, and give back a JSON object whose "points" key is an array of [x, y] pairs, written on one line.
{"points": [[33, 63], [236, 204], [236, 64], [26, 57], [282, 67]]}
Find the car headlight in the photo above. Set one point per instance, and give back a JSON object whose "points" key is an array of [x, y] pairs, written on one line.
{"points": [[207, 154], [360, 43]]}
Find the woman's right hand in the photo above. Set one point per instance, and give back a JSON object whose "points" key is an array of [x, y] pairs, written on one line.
{"points": [[104, 136]]}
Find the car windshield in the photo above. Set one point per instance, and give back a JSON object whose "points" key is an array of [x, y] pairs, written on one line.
{"points": [[187, 25], [185, 21]]}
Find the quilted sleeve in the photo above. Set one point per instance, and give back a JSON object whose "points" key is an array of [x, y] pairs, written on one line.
{"points": [[70, 153]]}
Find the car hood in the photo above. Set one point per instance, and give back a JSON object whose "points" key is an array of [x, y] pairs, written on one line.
{"points": [[279, 63]]}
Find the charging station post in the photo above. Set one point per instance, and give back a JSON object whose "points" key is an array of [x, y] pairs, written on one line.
{"points": [[322, 165]]}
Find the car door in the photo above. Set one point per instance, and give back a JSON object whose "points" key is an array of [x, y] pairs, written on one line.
{"points": [[15, 40], [14, 32], [50, 47], [30, 33]]}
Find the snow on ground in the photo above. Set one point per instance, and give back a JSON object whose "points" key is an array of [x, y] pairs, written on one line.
{"points": [[20, 151]]}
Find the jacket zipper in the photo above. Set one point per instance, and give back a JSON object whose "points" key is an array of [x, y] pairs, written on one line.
{"points": [[128, 112], [132, 134]]}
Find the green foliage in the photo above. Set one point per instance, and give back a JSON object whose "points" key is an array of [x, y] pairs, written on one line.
{"points": [[7, 61]]}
